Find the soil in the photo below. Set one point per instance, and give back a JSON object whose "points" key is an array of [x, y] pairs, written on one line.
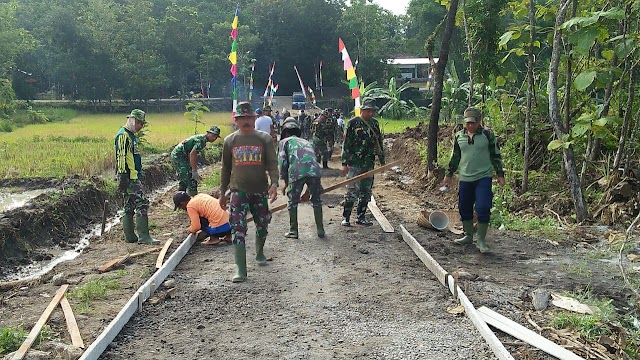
{"points": [[359, 293]]}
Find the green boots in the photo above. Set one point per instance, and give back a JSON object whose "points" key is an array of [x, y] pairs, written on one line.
{"points": [[240, 253], [293, 224], [467, 226], [260, 258], [482, 234], [142, 225], [129, 233], [317, 215]]}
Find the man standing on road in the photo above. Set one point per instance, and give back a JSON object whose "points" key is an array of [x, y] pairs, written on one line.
{"points": [[298, 166], [363, 142], [340, 129], [322, 133], [129, 170], [247, 156], [266, 123], [185, 159], [475, 155], [205, 214]]}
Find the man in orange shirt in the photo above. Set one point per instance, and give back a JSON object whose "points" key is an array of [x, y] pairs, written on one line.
{"points": [[205, 214]]}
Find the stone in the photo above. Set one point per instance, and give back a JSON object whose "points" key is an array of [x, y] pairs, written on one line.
{"points": [[59, 279]]}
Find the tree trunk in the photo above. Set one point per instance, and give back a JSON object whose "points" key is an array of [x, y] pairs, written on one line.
{"points": [[469, 53], [554, 114], [432, 145], [530, 85], [630, 149], [627, 120]]}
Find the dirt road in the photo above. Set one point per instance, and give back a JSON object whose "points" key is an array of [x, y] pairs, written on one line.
{"points": [[357, 294]]}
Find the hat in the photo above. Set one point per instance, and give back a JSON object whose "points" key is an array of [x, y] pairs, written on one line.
{"points": [[290, 123], [179, 198], [266, 108], [368, 103], [214, 130], [243, 109], [472, 115], [259, 111], [138, 115]]}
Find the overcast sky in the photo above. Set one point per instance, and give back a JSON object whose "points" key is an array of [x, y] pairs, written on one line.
{"points": [[397, 7]]}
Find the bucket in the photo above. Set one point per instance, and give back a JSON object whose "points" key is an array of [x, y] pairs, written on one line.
{"points": [[436, 220]]}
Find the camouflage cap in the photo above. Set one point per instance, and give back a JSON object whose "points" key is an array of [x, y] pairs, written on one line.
{"points": [[472, 114], [214, 130], [290, 123], [266, 108], [243, 109], [138, 115], [368, 103]]}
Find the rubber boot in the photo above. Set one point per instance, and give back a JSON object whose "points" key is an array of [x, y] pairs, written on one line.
{"points": [[240, 253], [142, 225], [192, 192], [482, 234], [325, 163], [346, 213], [317, 215], [128, 226], [260, 258], [293, 224], [467, 227], [362, 219]]}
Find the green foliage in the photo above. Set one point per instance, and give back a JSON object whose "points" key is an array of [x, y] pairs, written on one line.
{"points": [[7, 96], [194, 113], [12, 337], [94, 290], [395, 108], [590, 326]]}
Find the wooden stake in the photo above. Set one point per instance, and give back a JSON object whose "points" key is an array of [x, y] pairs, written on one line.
{"points": [[72, 325], [104, 217], [122, 259], [33, 334], [382, 220], [163, 252]]}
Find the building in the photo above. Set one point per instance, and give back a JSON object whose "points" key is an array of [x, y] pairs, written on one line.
{"points": [[415, 70]]}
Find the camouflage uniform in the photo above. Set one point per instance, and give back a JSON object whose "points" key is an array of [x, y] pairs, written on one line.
{"points": [[241, 203], [180, 156], [127, 154], [298, 166], [363, 142], [322, 134]]}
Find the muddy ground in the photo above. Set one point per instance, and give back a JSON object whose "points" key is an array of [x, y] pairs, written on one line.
{"points": [[358, 294]]}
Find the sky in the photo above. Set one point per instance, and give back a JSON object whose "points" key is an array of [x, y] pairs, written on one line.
{"points": [[398, 7]]}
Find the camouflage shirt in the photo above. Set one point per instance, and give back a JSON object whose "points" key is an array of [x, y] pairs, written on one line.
{"points": [[363, 141], [323, 129], [196, 142], [297, 159]]}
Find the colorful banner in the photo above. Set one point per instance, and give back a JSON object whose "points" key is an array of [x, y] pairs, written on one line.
{"points": [[269, 85], [313, 96], [321, 92], [253, 68], [300, 80], [351, 76], [233, 58], [273, 93]]}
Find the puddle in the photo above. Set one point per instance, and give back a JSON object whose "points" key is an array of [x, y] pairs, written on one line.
{"points": [[37, 269], [10, 201]]}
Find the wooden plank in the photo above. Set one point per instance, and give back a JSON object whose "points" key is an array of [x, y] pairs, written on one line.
{"points": [[33, 334], [522, 333], [382, 220], [122, 259], [72, 325], [98, 346], [424, 256], [163, 253]]}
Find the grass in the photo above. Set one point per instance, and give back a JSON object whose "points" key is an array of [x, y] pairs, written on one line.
{"points": [[12, 337], [84, 144], [388, 126], [95, 290]]}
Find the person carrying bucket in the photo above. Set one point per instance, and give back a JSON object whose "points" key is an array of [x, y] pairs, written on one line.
{"points": [[475, 156]]}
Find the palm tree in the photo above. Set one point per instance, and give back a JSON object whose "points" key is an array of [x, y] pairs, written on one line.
{"points": [[394, 108]]}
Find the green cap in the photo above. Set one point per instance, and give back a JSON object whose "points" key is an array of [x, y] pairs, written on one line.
{"points": [[214, 130], [368, 103], [472, 115], [244, 109], [138, 115]]}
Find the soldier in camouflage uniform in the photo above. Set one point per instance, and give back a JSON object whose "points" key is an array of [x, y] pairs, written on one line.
{"points": [[298, 166], [332, 124], [305, 125], [322, 134], [247, 156], [129, 171], [185, 160], [363, 142]]}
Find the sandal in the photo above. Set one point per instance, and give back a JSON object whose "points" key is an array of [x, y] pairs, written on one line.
{"points": [[211, 241]]}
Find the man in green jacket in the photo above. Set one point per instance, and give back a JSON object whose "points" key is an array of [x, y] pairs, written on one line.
{"points": [[185, 159], [475, 156], [129, 171]]}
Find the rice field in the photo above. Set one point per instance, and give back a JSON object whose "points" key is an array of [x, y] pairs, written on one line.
{"points": [[84, 145]]}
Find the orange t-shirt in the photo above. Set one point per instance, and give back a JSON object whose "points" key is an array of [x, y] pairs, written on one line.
{"points": [[206, 206]]}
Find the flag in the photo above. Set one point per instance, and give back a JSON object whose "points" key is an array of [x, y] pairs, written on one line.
{"points": [[313, 96], [269, 85], [233, 58], [253, 68], [321, 93], [300, 80], [351, 76]]}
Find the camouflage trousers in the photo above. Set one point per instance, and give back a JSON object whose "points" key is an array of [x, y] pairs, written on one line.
{"points": [[242, 203], [360, 190], [134, 199], [294, 191], [183, 168], [321, 147]]}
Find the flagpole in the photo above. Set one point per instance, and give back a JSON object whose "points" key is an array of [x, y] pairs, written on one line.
{"points": [[233, 58], [351, 76], [300, 80]]}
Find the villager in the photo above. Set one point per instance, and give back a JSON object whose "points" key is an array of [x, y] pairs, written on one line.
{"points": [[185, 159], [206, 215]]}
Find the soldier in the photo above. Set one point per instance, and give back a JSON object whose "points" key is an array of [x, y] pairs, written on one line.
{"points": [[321, 134], [363, 142], [247, 156], [185, 159], [304, 126], [129, 170], [332, 126], [298, 166]]}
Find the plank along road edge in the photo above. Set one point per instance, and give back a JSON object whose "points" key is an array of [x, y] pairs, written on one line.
{"points": [[447, 280], [144, 292]]}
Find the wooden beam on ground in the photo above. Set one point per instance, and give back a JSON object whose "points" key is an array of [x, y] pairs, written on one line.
{"points": [[122, 259], [72, 325], [424, 256], [522, 333], [33, 334], [382, 220], [163, 253], [342, 183], [98, 346]]}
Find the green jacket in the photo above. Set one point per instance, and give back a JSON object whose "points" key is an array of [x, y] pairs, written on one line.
{"points": [[475, 157]]}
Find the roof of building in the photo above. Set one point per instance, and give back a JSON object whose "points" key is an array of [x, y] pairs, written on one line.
{"points": [[410, 61]]}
